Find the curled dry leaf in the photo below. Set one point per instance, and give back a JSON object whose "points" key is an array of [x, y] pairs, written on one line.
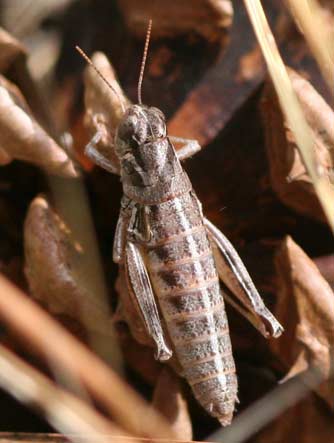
{"points": [[22, 138], [306, 309], [208, 18], [52, 265], [10, 49], [103, 106], [287, 172], [169, 400]]}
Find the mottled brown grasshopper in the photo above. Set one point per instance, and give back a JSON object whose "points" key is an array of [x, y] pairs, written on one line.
{"points": [[173, 257]]}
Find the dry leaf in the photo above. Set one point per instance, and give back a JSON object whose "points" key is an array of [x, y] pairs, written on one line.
{"points": [[129, 311], [325, 265], [10, 50], [287, 172], [103, 106], [53, 265], [209, 18], [306, 309], [22, 138], [307, 422], [169, 400], [139, 357]]}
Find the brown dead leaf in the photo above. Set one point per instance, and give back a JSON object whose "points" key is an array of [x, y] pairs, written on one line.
{"points": [[139, 357], [208, 18], [129, 311], [103, 106], [307, 422], [53, 263], [287, 172], [22, 138], [10, 50], [169, 400], [325, 265], [306, 309]]}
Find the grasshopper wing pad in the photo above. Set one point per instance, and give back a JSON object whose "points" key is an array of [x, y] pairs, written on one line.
{"points": [[142, 289], [234, 275]]}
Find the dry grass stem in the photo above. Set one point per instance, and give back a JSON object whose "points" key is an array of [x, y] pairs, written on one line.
{"points": [[320, 38], [23, 437], [27, 321], [62, 410], [291, 107], [288, 176], [267, 408]]}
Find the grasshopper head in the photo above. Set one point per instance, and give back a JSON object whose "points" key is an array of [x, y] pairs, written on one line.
{"points": [[140, 124]]}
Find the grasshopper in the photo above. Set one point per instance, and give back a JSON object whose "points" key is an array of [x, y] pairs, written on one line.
{"points": [[172, 258]]}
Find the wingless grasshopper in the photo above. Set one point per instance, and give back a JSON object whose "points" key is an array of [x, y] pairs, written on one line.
{"points": [[173, 258]]}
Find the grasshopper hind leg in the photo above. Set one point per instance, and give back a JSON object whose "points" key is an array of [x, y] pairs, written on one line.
{"points": [[235, 276], [140, 287]]}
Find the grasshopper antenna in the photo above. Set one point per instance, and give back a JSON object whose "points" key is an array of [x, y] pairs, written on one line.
{"points": [[99, 73], [142, 68]]}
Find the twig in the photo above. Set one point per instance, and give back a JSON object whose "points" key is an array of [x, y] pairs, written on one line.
{"points": [[23, 437], [62, 410], [320, 40], [291, 107], [59, 348], [267, 408]]}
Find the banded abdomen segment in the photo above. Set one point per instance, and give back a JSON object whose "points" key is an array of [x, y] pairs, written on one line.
{"points": [[185, 281]]}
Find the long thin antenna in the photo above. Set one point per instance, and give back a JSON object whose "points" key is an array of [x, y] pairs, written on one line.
{"points": [[142, 68], [89, 61]]}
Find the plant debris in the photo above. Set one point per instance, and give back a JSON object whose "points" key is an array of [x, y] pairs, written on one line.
{"points": [[306, 308], [22, 138], [10, 50], [170, 401], [209, 18], [288, 175]]}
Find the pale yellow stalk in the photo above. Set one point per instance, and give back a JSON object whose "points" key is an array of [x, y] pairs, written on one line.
{"points": [[291, 107], [318, 34]]}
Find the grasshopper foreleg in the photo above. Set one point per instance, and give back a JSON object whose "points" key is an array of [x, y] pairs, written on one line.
{"points": [[141, 287], [235, 276], [99, 159], [189, 148], [119, 239]]}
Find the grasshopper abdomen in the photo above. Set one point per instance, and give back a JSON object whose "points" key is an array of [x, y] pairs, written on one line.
{"points": [[184, 277]]}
